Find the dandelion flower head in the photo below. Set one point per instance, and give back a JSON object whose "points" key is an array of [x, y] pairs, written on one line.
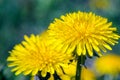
{"points": [[111, 64], [33, 55], [102, 4], [83, 32]]}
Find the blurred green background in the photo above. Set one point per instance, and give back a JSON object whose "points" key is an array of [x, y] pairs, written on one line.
{"points": [[20, 17]]}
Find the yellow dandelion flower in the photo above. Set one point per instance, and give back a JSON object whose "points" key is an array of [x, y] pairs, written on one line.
{"points": [[100, 4], [34, 54], [111, 64], [83, 32]]}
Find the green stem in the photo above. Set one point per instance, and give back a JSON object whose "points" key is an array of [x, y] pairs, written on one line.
{"points": [[80, 62]]}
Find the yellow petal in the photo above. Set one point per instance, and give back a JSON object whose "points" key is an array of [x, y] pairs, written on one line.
{"points": [[11, 59], [65, 47], [12, 64], [51, 70], [89, 49], [84, 50], [33, 37], [79, 49], [71, 48], [15, 69], [27, 72], [95, 47], [34, 72], [106, 46], [18, 72], [102, 48], [43, 73]]}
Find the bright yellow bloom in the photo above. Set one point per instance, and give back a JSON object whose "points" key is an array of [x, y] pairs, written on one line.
{"points": [[108, 64], [83, 32], [34, 54], [70, 71], [100, 4]]}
